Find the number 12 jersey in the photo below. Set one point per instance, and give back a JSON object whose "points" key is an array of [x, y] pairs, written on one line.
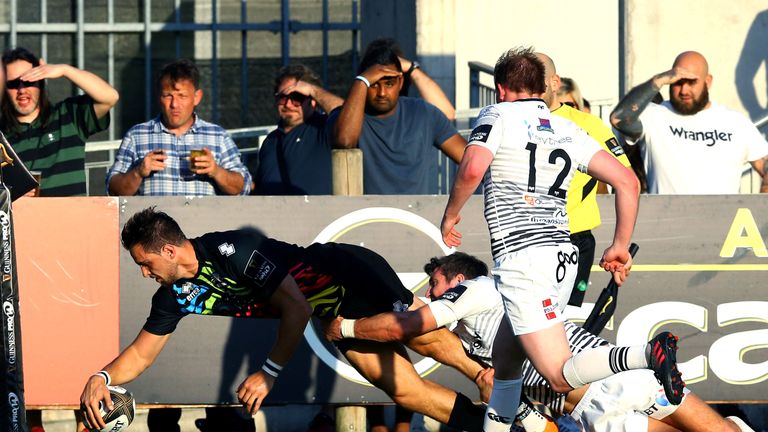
{"points": [[535, 157]]}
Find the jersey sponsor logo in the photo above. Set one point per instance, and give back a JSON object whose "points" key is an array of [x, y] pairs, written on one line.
{"points": [[186, 288], [709, 138], [531, 200], [226, 249], [559, 217], [544, 125], [399, 306], [480, 133], [549, 309], [259, 268], [453, 294], [615, 147], [545, 140]]}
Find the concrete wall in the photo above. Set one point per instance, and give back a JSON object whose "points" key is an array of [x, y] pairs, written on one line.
{"points": [[583, 38]]}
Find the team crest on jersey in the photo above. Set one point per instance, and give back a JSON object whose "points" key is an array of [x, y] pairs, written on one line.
{"points": [[227, 249], [259, 268], [453, 294], [614, 146], [544, 125], [399, 306]]}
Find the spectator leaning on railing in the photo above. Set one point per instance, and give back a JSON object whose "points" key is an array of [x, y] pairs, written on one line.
{"points": [[692, 145], [399, 136], [155, 158], [295, 158], [51, 138]]}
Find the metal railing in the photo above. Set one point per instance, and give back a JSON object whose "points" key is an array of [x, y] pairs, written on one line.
{"points": [[100, 155], [179, 29]]}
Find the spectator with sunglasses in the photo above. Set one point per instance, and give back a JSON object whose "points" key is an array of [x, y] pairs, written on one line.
{"points": [[51, 138], [177, 152], [295, 158]]}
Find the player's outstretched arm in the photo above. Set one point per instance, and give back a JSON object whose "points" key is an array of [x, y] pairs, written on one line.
{"points": [[473, 166], [134, 360], [606, 168], [385, 327], [294, 315]]}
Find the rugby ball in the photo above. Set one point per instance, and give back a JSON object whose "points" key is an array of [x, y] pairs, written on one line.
{"points": [[122, 415]]}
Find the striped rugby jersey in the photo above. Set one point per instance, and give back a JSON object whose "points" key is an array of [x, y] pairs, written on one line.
{"points": [[535, 157]]}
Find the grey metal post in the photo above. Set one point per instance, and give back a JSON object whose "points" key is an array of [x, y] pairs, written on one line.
{"points": [[622, 48], [214, 61], [285, 31], [147, 58]]}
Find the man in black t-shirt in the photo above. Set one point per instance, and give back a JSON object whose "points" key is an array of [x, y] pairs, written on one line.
{"points": [[243, 273]]}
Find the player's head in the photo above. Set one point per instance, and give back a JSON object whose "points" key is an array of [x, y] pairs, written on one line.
{"points": [[448, 271], [153, 238], [382, 95], [689, 96], [519, 73], [178, 87]]}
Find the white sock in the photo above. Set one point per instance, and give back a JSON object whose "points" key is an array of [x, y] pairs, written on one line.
{"points": [[531, 419], [598, 363], [740, 423], [505, 397]]}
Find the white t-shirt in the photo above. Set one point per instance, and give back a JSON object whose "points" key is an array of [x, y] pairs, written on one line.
{"points": [[535, 157], [702, 153]]}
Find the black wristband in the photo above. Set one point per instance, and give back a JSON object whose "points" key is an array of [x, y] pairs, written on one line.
{"points": [[414, 65]]}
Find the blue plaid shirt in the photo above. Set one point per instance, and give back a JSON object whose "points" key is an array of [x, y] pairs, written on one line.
{"points": [[177, 178]]}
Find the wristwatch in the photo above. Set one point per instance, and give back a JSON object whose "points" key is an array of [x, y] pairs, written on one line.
{"points": [[414, 65]]}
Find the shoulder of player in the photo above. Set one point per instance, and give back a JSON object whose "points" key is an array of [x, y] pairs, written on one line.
{"points": [[480, 289], [218, 240]]}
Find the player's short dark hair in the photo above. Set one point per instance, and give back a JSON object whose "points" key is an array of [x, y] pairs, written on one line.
{"points": [[151, 229], [299, 72], [457, 263], [381, 52], [179, 70], [519, 69], [9, 121]]}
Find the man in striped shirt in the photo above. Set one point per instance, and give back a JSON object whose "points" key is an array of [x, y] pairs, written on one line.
{"points": [[156, 157], [461, 292], [51, 138]]}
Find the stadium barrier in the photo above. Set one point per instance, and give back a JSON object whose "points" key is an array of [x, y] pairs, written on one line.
{"points": [[700, 273]]}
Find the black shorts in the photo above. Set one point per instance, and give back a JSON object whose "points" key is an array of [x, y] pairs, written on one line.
{"points": [[371, 286]]}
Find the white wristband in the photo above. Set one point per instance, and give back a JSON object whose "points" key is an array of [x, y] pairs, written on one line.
{"points": [[348, 328], [271, 368], [104, 374], [364, 80]]}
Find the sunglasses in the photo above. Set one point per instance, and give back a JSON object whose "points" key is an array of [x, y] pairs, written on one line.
{"points": [[17, 83], [295, 97]]}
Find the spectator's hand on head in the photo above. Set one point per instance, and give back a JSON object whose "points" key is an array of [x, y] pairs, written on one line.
{"points": [[405, 64], [674, 75], [376, 72], [205, 164], [44, 71], [302, 87], [153, 161]]}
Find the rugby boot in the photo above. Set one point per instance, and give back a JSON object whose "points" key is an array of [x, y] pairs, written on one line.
{"points": [[662, 359]]}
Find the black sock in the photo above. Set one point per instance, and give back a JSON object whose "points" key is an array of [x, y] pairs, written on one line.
{"points": [[465, 415]]}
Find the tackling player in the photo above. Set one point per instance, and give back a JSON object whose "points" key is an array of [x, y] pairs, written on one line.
{"points": [[461, 292]]}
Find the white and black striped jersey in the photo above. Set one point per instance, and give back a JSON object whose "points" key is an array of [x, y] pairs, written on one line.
{"points": [[478, 308], [535, 157]]}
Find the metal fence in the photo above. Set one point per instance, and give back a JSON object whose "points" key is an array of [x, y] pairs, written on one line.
{"points": [[238, 45]]}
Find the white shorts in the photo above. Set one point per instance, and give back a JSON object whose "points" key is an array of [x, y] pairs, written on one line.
{"points": [[623, 403], [536, 284]]}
